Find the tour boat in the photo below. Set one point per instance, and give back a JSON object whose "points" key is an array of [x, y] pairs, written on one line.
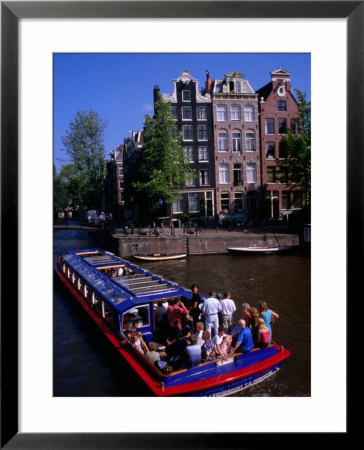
{"points": [[160, 256], [114, 302], [239, 250]]}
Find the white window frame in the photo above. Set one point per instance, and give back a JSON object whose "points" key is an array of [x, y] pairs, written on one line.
{"points": [[205, 154], [206, 181], [251, 173], [193, 201], [249, 113], [200, 127], [224, 173], [199, 109], [177, 206], [189, 95], [188, 151], [224, 140], [188, 108], [221, 113], [250, 140], [266, 125], [235, 140], [235, 112], [184, 127]]}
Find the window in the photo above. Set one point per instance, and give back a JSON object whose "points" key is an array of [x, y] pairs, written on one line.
{"points": [[270, 150], [193, 202], [202, 132], [251, 173], [236, 142], [204, 177], [249, 113], [282, 106], [223, 142], [121, 184], [250, 141], [297, 199], [235, 112], [201, 113], [269, 126], [283, 151], [237, 87], [225, 201], [139, 314], [191, 182], [282, 126], [224, 177], [187, 132], [238, 175], [203, 154], [174, 111], [177, 206], [295, 125], [120, 171], [238, 201], [189, 153], [221, 112], [271, 174], [107, 314], [187, 113], [285, 200], [186, 96]]}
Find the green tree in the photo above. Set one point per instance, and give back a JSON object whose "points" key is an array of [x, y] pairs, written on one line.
{"points": [[60, 194], [166, 168], [295, 168], [83, 143]]}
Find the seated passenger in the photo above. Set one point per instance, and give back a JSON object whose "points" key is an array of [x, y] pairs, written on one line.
{"points": [[218, 338], [193, 353], [136, 343], [198, 333], [225, 346], [152, 355], [244, 341], [208, 351], [263, 336], [162, 361]]}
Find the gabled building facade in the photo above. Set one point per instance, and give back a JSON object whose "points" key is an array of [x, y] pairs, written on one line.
{"points": [[278, 111], [236, 143], [115, 184], [193, 113]]}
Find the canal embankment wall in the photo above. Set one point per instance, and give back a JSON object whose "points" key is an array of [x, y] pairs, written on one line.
{"points": [[200, 244]]}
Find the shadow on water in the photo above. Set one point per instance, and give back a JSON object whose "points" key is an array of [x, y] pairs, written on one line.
{"points": [[86, 365]]}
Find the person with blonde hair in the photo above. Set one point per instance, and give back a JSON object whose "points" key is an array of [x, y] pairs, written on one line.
{"points": [[263, 337], [198, 333], [268, 315]]}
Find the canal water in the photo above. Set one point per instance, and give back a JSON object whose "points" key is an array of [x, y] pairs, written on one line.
{"points": [[86, 365]]}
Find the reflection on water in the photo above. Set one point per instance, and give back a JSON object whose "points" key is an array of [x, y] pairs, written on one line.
{"points": [[85, 365]]}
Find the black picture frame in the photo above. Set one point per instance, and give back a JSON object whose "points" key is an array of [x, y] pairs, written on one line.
{"points": [[11, 12]]}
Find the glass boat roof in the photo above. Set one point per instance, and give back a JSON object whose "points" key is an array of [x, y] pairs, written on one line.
{"points": [[140, 285]]}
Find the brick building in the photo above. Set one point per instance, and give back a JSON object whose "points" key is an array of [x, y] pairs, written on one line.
{"points": [[115, 184], [278, 110], [236, 142], [193, 113]]}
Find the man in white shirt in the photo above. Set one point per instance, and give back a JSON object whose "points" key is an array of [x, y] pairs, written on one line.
{"points": [[227, 310], [210, 308]]}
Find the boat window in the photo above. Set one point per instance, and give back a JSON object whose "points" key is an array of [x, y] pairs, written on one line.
{"points": [[85, 290], [73, 277], [79, 284], [138, 314], [98, 303], [107, 314], [68, 273], [64, 268]]}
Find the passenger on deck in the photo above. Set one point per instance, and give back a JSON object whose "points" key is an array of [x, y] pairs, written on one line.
{"points": [[162, 361], [227, 310], [198, 333], [161, 322], [218, 338], [268, 315], [152, 355], [208, 350], [225, 346], [193, 353], [121, 272], [245, 341], [177, 311], [263, 334], [174, 344], [136, 343], [245, 314], [254, 323], [211, 307]]}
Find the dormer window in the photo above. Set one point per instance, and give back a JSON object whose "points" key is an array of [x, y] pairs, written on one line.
{"points": [[237, 87]]}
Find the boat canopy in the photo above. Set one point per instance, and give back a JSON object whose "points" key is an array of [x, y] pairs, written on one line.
{"points": [[123, 291]]}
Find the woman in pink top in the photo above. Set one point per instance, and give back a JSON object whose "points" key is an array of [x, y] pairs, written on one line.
{"points": [[263, 337]]}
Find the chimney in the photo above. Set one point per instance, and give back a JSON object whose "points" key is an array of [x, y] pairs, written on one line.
{"points": [[208, 83]]}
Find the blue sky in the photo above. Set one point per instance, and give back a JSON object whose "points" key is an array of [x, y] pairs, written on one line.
{"points": [[119, 87]]}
